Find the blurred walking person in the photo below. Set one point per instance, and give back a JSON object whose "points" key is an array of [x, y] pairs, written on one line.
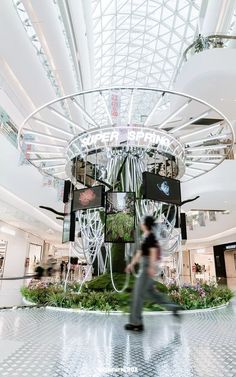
{"points": [[147, 257]]}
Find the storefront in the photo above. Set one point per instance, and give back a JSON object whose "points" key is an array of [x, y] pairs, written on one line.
{"points": [[225, 262], [198, 266], [203, 266]]}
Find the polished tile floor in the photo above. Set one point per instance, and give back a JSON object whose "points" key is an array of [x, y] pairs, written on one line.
{"points": [[10, 293], [42, 342]]}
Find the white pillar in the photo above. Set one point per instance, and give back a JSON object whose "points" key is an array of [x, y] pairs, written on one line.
{"points": [[46, 247], [217, 17]]}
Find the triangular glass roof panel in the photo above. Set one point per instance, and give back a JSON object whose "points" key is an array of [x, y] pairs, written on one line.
{"points": [[135, 41]]}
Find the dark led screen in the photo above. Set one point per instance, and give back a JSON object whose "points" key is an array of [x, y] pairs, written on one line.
{"points": [[68, 224], [87, 198], [162, 189]]}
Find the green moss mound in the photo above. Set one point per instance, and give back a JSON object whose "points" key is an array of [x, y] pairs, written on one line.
{"points": [[98, 294], [103, 283]]}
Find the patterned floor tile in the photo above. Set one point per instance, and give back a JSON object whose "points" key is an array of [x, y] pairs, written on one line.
{"points": [[64, 344]]}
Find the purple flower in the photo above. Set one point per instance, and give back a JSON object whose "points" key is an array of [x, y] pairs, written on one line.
{"points": [[201, 292]]}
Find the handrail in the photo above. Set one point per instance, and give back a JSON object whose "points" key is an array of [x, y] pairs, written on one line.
{"points": [[206, 44], [207, 39]]}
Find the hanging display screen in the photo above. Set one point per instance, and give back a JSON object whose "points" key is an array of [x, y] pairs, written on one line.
{"points": [[161, 189], [68, 233], [120, 217], [87, 198]]}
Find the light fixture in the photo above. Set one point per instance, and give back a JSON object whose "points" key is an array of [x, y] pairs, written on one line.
{"points": [[189, 175], [45, 153], [201, 162], [53, 167], [130, 107], [216, 137], [202, 130], [32, 132], [60, 115], [173, 115], [208, 147], [29, 208], [12, 78], [201, 251], [7, 230], [217, 156], [59, 173], [189, 122], [195, 169], [52, 127], [106, 109], [43, 144], [154, 109], [48, 159], [83, 111]]}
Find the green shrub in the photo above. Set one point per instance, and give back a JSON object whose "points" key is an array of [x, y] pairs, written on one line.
{"points": [[99, 295]]}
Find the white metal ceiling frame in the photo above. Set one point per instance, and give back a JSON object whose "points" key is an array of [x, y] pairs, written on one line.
{"points": [[124, 58], [192, 146], [101, 60], [42, 55]]}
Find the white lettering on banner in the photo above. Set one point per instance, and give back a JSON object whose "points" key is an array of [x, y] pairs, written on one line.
{"points": [[132, 136], [229, 247], [105, 137]]}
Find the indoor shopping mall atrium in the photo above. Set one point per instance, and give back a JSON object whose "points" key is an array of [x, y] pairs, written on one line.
{"points": [[117, 188]]}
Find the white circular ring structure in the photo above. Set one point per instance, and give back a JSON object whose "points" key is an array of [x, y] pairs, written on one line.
{"points": [[190, 130]]}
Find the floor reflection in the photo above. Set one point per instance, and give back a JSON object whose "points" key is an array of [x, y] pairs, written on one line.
{"points": [[41, 342], [10, 293]]}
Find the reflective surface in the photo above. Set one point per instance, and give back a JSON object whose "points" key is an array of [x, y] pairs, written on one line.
{"points": [[41, 342], [10, 293]]}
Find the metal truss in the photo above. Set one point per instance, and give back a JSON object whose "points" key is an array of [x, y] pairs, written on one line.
{"points": [[140, 42]]}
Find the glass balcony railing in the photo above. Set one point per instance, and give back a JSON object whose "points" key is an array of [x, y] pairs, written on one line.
{"points": [[8, 128], [204, 43]]}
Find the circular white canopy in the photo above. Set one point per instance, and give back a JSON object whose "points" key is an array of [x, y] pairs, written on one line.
{"points": [[199, 136]]}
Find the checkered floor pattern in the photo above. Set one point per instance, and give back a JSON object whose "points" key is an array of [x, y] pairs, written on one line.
{"points": [[47, 343]]}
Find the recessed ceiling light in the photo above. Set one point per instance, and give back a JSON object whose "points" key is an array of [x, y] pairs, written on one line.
{"points": [[7, 230]]}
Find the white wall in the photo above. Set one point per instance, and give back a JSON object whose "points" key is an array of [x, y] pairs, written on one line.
{"points": [[17, 250]]}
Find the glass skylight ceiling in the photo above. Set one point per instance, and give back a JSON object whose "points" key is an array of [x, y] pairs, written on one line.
{"points": [[139, 42]]}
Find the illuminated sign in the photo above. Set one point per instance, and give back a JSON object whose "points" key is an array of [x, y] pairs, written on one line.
{"points": [[106, 138], [140, 137], [230, 247]]}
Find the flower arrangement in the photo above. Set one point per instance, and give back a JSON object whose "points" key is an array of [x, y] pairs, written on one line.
{"points": [[199, 296], [99, 295]]}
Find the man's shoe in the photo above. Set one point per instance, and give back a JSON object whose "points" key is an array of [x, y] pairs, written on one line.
{"points": [[131, 327]]}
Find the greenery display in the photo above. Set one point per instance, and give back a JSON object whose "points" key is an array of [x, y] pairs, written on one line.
{"points": [[120, 227], [98, 294]]}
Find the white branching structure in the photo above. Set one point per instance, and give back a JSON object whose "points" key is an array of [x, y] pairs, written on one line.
{"points": [[122, 132], [91, 227]]}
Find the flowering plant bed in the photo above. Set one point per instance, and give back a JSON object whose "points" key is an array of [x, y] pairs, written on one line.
{"points": [[200, 296], [99, 295]]}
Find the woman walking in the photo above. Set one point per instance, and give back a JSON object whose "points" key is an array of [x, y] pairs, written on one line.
{"points": [[148, 256]]}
